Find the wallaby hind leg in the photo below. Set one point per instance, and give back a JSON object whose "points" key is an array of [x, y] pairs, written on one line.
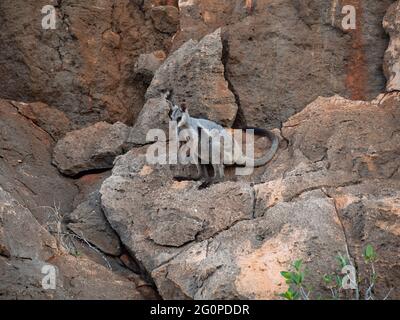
{"points": [[201, 172], [217, 176], [218, 172]]}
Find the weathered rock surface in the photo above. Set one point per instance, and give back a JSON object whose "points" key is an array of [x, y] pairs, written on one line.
{"points": [[370, 214], [91, 148], [34, 243], [333, 187], [147, 64], [281, 55], [50, 119], [85, 65], [201, 17], [23, 255], [165, 18], [391, 23], [246, 260], [88, 222], [231, 240], [88, 184], [195, 75], [154, 115], [167, 214], [25, 164], [148, 4]]}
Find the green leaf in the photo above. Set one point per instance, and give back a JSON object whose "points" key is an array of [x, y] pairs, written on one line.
{"points": [[342, 260], [297, 264], [301, 274], [287, 275], [327, 278], [288, 295], [369, 253], [338, 280], [283, 295], [295, 294], [297, 278]]}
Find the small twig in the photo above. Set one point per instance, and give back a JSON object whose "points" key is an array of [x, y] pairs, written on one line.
{"points": [[388, 294], [368, 293], [303, 293], [92, 247], [333, 293]]}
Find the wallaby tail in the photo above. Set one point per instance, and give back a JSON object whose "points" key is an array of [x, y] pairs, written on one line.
{"points": [[274, 146]]}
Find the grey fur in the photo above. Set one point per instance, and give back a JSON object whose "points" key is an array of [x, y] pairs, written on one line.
{"points": [[185, 121]]}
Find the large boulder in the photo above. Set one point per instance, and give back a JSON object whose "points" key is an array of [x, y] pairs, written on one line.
{"points": [[85, 65], [91, 148], [195, 76], [391, 24], [332, 189], [167, 216]]}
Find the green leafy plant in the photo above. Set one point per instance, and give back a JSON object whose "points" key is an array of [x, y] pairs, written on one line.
{"points": [[295, 276], [290, 294], [295, 279], [370, 257], [369, 254]]}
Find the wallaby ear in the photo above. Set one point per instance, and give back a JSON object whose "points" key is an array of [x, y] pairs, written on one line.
{"points": [[184, 107], [165, 94], [170, 109]]}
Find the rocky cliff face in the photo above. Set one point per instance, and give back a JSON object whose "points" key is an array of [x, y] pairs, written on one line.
{"points": [[86, 65], [77, 193]]}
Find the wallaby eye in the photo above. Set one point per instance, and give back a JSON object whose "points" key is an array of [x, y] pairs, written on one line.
{"points": [[179, 119]]}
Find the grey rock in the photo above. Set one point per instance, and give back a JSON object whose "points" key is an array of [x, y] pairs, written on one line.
{"points": [[154, 115], [147, 64], [90, 148], [195, 75], [369, 212], [88, 222], [167, 215], [245, 261], [21, 236]]}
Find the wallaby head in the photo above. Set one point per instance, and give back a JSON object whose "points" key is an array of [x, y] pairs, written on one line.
{"points": [[179, 114]]}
